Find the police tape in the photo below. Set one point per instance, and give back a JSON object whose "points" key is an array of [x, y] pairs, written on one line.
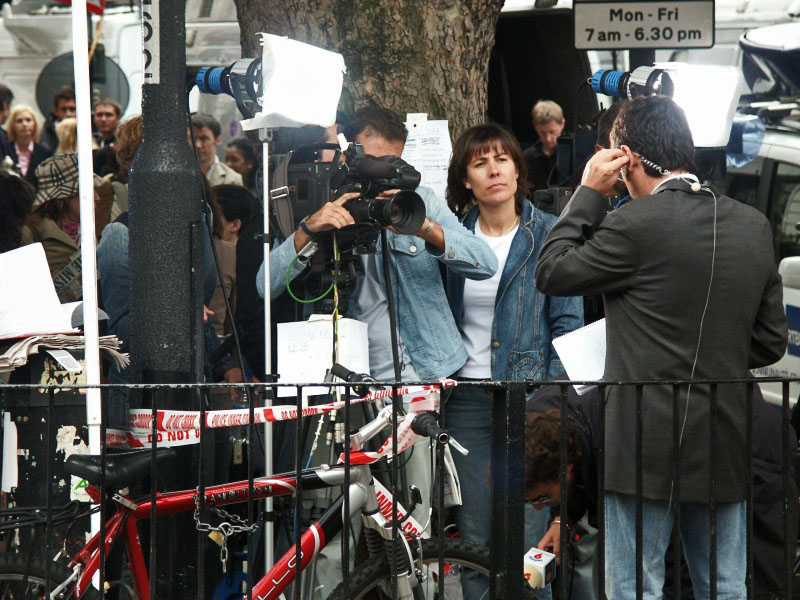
{"points": [[179, 428], [406, 437]]}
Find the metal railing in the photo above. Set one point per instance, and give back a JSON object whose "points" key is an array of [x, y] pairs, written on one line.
{"points": [[507, 485]]}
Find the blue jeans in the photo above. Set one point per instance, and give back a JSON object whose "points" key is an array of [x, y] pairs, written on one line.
{"points": [[468, 418], [620, 515]]}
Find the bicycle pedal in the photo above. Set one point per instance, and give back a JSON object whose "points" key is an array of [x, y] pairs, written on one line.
{"points": [[216, 537]]}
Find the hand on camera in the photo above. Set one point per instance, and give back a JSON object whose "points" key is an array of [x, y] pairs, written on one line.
{"points": [[332, 215], [602, 170]]}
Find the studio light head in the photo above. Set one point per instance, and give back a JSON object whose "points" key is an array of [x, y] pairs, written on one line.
{"points": [[708, 95], [642, 81], [241, 81]]}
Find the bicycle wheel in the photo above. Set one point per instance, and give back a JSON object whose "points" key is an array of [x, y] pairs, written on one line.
{"points": [[19, 581], [372, 580]]}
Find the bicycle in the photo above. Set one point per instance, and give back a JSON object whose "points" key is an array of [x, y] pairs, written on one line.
{"points": [[410, 562]]}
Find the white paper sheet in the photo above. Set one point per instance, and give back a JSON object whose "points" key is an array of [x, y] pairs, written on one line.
{"points": [[28, 301], [10, 475], [302, 84], [583, 354], [428, 149], [305, 349]]}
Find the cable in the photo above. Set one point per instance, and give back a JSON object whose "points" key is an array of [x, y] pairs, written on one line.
{"points": [[291, 293], [696, 355]]}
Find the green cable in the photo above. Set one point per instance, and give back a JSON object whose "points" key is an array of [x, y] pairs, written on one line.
{"points": [[291, 293]]}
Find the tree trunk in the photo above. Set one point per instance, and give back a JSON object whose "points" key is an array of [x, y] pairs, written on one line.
{"points": [[408, 55]]}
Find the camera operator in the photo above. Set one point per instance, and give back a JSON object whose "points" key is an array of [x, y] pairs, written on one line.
{"points": [[429, 344]]}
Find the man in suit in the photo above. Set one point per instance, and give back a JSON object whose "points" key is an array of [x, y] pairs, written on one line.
{"points": [[690, 291]]}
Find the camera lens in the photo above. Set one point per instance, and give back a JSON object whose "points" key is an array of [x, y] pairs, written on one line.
{"points": [[405, 212]]}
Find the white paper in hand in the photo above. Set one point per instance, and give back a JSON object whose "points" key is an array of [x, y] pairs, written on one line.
{"points": [[583, 353], [302, 84], [28, 301]]}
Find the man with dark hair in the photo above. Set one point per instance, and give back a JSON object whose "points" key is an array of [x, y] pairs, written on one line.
{"points": [[207, 136], [107, 113], [6, 97], [63, 106], [376, 123], [691, 291]]}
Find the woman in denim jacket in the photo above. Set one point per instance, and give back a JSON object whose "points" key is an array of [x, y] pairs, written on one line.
{"points": [[506, 324]]}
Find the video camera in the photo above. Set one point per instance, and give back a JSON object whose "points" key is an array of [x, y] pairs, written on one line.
{"points": [[309, 184]]}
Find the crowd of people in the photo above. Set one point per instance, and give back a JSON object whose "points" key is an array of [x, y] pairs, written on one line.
{"points": [[480, 292]]}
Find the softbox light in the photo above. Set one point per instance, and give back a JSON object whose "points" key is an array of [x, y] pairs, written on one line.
{"points": [[301, 84]]}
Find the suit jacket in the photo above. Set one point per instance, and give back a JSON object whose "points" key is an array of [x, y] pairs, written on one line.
{"points": [[658, 261], [40, 152]]}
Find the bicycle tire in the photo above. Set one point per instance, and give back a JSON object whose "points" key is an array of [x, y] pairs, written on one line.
{"points": [[14, 570], [366, 580]]}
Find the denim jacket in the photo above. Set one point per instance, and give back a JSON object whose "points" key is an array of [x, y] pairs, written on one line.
{"points": [[525, 320], [424, 320]]}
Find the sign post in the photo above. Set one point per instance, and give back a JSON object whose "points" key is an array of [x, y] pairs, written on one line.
{"points": [[637, 24]]}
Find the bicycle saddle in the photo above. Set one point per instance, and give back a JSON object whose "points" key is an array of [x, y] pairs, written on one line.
{"points": [[122, 469]]}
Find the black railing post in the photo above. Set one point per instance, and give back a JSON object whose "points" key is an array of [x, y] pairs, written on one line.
{"points": [[508, 479], [789, 541], [712, 492], [601, 498], [346, 515], [676, 491], [440, 498], [251, 550], [562, 451], [50, 454], [639, 543], [298, 506], [749, 488]]}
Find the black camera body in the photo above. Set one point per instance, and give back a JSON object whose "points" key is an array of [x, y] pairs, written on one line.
{"points": [[310, 184]]}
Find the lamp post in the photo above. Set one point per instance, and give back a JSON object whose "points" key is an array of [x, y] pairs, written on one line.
{"points": [[165, 197]]}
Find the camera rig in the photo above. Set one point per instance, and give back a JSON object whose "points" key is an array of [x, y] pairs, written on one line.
{"points": [[304, 184]]}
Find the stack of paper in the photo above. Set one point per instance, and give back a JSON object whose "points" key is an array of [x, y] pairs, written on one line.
{"points": [[17, 355]]}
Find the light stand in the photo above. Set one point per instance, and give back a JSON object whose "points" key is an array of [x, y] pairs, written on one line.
{"points": [[301, 86]]}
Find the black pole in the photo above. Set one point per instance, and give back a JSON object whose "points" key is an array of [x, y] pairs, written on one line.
{"points": [[506, 539], [165, 252]]}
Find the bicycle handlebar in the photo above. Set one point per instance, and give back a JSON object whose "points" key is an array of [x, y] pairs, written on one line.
{"points": [[427, 424], [349, 376]]}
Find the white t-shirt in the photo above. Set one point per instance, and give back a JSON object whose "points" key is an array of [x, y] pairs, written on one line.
{"points": [[479, 299]]}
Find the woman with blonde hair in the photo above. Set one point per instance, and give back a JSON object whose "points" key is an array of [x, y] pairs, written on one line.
{"points": [[67, 134], [23, 135]]}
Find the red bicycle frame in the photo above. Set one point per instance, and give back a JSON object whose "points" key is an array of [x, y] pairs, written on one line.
{"points": [[124, 522]]}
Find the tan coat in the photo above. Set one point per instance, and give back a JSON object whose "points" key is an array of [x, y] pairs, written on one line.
{"points": [[58, 246]]}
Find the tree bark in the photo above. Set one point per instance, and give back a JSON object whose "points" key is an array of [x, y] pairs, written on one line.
{"points": [[408, 55]]}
